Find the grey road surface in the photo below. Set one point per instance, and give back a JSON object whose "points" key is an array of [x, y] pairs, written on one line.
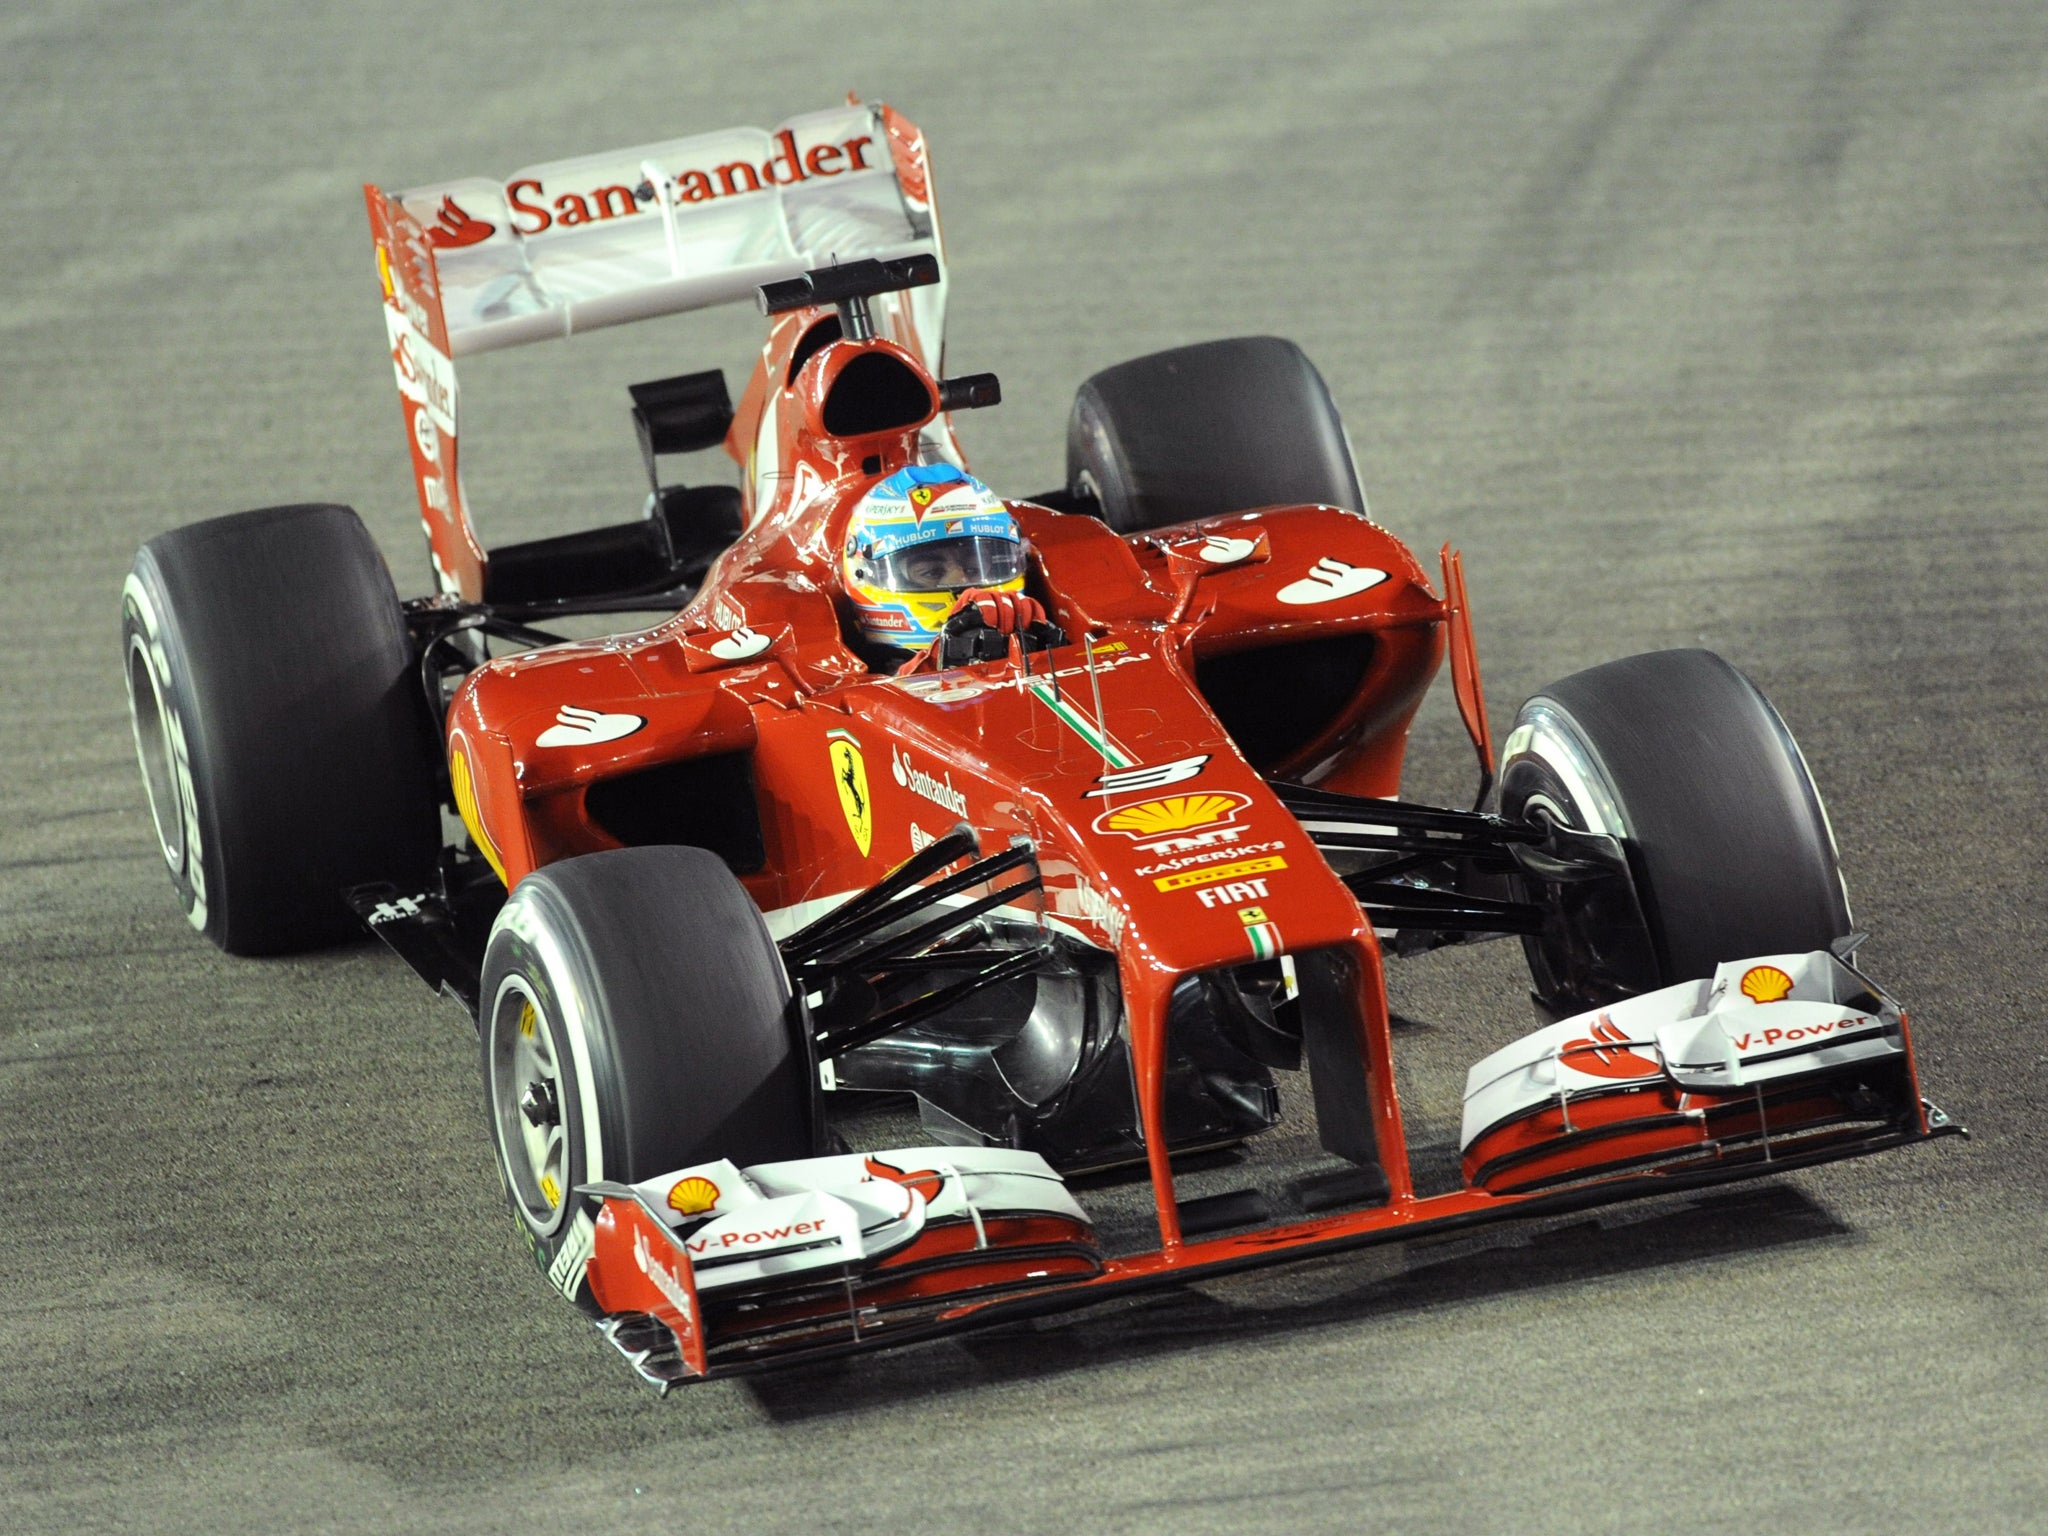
{"points": [[1691, 322]]}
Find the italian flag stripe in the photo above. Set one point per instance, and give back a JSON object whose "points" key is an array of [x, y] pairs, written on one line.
{"points": [[1265, 939], [1083, 727]]}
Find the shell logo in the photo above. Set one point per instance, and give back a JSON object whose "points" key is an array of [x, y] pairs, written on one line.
{"points": [[1766, 984], [693, 1196], [1175, 813]]}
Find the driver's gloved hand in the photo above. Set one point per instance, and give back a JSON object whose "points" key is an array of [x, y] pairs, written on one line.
{"points": [[981, 623]]}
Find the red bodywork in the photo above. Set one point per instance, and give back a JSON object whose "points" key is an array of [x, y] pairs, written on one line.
{"points": [[852, 771], [1012, 745], [990, 734]]}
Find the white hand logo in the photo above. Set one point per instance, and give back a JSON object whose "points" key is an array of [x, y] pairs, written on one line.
{"points": [[1329, 580], [575, 727], [1218, 550], [740, 644]]}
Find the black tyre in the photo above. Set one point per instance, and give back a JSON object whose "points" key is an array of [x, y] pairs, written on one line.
{"points": [[285, 749], [1208, 429], [634, 1021], [1729, 847]]}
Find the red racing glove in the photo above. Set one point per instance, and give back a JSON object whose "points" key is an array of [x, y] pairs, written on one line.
{"points": [[978, 627], [1006, 612]]}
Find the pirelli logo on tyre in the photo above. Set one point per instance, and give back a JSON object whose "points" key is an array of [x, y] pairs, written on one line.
{"points": [[1186, 878]]}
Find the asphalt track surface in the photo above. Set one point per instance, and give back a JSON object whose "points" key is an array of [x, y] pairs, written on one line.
{"points": [[1693, 323]]}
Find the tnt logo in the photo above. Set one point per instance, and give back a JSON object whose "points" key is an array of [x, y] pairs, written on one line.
{"points": [[1232, 892], [1193, 840]]}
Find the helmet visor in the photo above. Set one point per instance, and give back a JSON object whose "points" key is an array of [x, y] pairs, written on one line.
{"points": [[951, 565]]}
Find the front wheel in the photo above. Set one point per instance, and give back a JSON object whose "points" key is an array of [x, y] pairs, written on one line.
{"points": [[1217, 427], [1681, 758], [285, 749], [634, 1020]]}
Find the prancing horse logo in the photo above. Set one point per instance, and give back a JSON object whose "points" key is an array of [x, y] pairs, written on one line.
{"points": [[850, 777]]}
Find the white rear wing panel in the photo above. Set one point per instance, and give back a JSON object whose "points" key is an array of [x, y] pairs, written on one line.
{"points": [[628, 234], [684, 224]]}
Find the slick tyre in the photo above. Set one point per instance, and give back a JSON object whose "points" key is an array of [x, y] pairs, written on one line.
{"points": [[285, 749], [634, 1021], [1729, 849], [1208, 429]]}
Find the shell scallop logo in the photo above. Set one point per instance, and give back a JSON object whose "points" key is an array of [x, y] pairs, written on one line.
{"points": [[693, 1196], [1175, 813], [1766, 984]]}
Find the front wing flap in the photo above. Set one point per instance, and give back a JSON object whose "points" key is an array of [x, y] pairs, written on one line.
{"points": [[1765, 1055], [743, 1261]]}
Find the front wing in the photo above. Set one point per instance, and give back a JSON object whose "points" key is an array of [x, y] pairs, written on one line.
{"points": [[1776, 1063]]}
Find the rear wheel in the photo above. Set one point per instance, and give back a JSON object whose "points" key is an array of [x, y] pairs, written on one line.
{"points": [[1729, 849], [285, 751], [634, 1021], [1208, 429]]}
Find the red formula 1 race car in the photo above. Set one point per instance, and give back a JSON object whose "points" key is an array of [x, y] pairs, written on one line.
{"points": [[1069, 825]]}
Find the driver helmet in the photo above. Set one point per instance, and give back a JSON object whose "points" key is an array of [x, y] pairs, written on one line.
{"points": [[917, 541]]}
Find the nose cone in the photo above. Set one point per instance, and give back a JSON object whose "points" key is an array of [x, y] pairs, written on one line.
{"points": [[1155, 837]]}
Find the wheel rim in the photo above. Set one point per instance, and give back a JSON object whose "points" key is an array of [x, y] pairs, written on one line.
{"points": [[531, 1104], [159, 760], [1572, 787], [1596, 945]]}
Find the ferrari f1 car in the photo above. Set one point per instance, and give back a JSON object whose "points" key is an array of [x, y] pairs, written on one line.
{"points": [[1089, 898]]}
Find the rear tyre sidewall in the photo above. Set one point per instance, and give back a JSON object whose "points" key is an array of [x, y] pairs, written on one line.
{"points": [[666, 998], [1680, 755]]}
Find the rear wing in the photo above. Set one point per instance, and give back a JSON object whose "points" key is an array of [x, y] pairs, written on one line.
{"points": [[477, 264]]}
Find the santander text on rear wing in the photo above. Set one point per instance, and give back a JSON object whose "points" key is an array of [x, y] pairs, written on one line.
{"points": [[658, 228], [572, 245]]}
